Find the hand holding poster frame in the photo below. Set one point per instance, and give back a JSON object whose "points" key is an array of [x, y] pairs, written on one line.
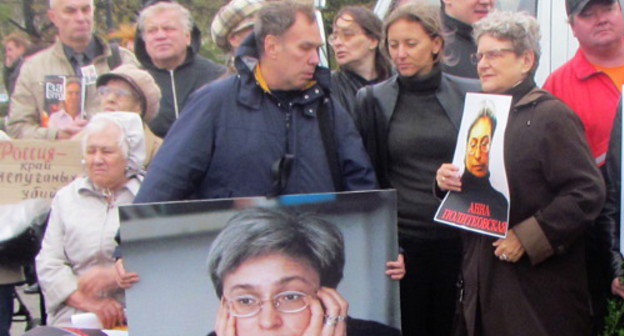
{"points": [[483, 204]]}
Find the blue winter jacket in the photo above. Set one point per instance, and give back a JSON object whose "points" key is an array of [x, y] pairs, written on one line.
{"points": [[232, 132]]}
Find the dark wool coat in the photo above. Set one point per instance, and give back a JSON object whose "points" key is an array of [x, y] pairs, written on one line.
{"points": [[556, 191]]}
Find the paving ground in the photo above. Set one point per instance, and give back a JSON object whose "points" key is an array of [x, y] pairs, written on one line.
{"points": [[32, 303]]}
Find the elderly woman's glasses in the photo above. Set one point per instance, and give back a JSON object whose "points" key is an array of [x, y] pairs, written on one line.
{"points": [[119, 92], [285, 302], [489, 55]]}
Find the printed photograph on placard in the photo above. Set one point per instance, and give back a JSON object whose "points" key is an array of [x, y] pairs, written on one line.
{"points": [[315, 263], [483, 204], [63, 100]]}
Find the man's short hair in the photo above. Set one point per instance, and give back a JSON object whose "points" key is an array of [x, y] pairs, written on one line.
{"points": [[53, 3], [185, 15], [275, 17], [19, 39], [258, 232]]}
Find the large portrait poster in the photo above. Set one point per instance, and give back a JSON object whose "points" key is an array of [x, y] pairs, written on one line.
{"points": [[482, 205], [187, 252]]}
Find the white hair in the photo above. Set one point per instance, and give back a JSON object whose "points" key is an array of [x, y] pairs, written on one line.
{"points": [[54, 3], [98, 125], [185, 15], [520, 28]]}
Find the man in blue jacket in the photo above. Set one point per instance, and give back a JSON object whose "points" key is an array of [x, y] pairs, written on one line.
{"points": [[272, 129]]}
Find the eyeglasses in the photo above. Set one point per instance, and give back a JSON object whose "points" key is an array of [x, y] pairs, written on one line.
{"points": [[483, 145], [119, 92], [344, 35], [286, 302], [489, 55]]}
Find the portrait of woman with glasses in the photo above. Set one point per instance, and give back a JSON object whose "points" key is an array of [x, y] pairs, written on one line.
{"points": [[276, 274]]}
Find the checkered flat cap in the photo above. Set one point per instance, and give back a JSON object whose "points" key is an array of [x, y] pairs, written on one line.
{"points": [[233, 17]]}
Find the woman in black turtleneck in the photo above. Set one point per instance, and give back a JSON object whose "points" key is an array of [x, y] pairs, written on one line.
{"points": [[355, 42], [533, 282], [409, 125]]}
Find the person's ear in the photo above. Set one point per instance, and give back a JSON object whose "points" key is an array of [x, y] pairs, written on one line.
{"points": [[374, 43], [437, 45], [528, 60], [188, 38], [52, 16], [272, 46]]}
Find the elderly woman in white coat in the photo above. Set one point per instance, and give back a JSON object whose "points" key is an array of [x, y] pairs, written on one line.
{"points": [[75, 264]]}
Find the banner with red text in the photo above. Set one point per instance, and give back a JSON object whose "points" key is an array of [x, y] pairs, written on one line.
{"points": [[482, 205], [36, 168]]}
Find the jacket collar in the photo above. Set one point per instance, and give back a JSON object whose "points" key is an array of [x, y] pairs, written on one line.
{"points": [[58, 49], [86, 187], [251, 88], [448, 95], [581, 67]]}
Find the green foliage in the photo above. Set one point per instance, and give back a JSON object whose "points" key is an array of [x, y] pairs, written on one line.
{"points": [[614, 321]]}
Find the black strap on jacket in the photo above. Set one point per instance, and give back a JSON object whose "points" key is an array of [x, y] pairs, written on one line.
{"points": [[281, 169], [325, 121]]}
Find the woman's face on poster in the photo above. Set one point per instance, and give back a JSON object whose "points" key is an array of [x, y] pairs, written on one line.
{"points": [[267, 283]]}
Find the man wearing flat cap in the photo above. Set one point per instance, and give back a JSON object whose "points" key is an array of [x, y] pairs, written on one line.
{"points": [[232, 24], [590, 83]]}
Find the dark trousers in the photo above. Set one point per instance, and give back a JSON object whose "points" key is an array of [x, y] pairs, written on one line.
{"points": [[428, 291], [6, 309]]}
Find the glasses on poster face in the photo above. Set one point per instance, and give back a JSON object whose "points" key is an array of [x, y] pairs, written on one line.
{"points": [[483, 145], [286, 302], [490, 55]]}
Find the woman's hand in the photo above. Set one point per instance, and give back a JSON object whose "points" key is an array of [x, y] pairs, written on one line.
{"points": [[329, 312], [448, 178], [617, 288], [226, 323], [396, 269], [97, 280], [122, 278], [509, 249], [108, 310]]}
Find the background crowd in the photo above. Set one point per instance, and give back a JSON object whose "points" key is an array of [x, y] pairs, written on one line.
{"points": [[163, 123]]}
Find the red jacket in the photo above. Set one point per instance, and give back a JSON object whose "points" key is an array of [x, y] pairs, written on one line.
{"points": [[592, 95]]}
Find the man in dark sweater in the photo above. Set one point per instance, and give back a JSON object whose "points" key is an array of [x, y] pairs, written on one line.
{"points": [[167, 44]]}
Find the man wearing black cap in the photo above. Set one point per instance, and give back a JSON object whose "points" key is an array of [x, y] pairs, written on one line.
{"points": [[590, 83]]}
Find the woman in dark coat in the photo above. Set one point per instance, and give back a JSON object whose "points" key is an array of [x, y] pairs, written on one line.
{"points": [[409, 125], [533, 282], [355, 42]]}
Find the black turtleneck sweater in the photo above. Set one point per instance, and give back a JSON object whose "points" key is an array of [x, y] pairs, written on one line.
{"points": [[420, 138], [459, 46]]}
